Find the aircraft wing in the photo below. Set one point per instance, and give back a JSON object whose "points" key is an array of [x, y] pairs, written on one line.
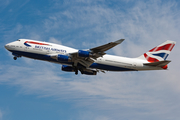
{"points": [[106, 47], [87, 57]]}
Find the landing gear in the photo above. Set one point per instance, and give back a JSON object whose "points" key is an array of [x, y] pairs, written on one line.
{"points": [[81, 70], [75, 68], [15, 58], [76, 71]]}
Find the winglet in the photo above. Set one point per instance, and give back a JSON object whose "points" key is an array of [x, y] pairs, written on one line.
{"points": [[119, 41]]}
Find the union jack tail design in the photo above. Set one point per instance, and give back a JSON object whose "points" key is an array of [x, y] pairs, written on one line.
{"points": [[159, 53]]}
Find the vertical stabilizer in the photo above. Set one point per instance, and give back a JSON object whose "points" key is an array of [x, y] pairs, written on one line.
{"points": [[159, 53]]}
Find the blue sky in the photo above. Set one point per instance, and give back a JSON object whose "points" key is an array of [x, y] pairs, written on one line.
{"points": [[32, 89]]}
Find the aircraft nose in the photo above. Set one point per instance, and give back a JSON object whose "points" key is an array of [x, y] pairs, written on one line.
{"points": [[6, 46]]}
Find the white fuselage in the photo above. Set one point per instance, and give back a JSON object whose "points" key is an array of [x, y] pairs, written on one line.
{"points": [[45, 50]]}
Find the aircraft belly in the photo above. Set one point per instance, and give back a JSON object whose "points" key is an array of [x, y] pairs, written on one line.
{"points": [[109, 67], [114, 63]]}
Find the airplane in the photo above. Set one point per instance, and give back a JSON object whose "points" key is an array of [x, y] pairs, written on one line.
{"points": [[91, 61]]}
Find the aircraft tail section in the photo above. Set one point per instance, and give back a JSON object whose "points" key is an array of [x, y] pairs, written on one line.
{"points": [[158, 55]]}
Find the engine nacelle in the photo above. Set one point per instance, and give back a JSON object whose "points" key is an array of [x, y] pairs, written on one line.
{"points": [[67, 68], [82, 53], [83, 71], [89, 72], [64, 58]]}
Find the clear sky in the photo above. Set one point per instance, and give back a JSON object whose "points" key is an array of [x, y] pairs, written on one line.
{"points": [[38, 90]]}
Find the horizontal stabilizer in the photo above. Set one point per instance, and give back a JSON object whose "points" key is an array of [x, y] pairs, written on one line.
{"points": [[159, 63]]}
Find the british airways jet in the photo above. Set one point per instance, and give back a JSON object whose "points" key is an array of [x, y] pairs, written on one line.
{"points": [[91, 61]]}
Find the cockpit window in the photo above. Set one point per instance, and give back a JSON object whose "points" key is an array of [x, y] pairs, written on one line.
{"points": [[18, 40]]}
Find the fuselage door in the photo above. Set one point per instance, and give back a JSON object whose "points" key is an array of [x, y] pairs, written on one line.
{"points": [[26, 48], [134, 65]]}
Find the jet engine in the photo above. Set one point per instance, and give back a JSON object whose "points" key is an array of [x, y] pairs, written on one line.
{"points": [[63, 58], [89, 72], [83, 71], [67, 68], [82, 53]]}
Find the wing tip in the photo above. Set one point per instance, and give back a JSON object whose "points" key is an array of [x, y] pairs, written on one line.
{"points": [[119, 41]]}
